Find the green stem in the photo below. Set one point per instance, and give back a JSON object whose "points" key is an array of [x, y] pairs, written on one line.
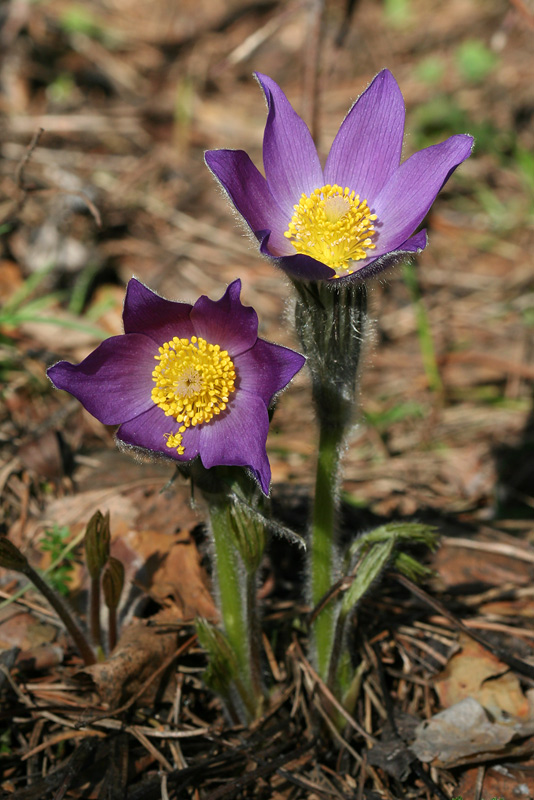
{"points": [[60, 607], [232, 603], [112, 629], [254, 631], [322, 551], [94, 614]]}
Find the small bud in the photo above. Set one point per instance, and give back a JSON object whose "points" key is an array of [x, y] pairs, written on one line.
{"points": [[113, 582], [11, 557], [97, 538], [248, 534]]}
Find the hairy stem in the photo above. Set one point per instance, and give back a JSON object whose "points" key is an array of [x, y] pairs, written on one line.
{"points": [[254, 631], [233, 602], [322, 550]]}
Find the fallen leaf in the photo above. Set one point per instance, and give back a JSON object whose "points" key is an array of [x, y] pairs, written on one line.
{"points": [[475, 672], [21, 629], [461, 565], [498, 781], [141, 650], [167, 568], [460, 731]]}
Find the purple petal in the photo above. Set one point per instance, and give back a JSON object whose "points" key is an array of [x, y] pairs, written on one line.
{"points": [[226, 322], [148, 313], [415, 244], [297, 266], [248, 191], [368, 145], [266, 368], [237, 438], [148, 431], [407, 196], [290, 158], [114, 382]]}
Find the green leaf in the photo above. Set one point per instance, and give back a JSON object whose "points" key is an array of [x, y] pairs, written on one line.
{"points": [[411, 567], [398, 12], [475, 60], [431, 70], [410, 532], [369, 569]]}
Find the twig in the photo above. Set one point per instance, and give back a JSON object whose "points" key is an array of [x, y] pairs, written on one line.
{"points": [[64, 736], [24, 190], [95, 213], [312, 66], [522, 667], [263, 771], [350, 6], [501, 548], [19, 175], [331, 698], [154, 752], [390, 711]]}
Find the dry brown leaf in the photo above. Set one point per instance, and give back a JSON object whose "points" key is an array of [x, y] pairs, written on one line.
{"points": [[475, 672], [42, 456], [21, 629], [10, 279], [459, 565], [168, 567], [506, 781], [140, 651], [462, 731]]}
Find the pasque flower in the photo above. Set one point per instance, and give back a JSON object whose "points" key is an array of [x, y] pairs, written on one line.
{"points": [[356, 216], [186, 380]]}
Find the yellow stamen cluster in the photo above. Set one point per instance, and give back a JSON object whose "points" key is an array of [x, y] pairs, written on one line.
{"points": [[174, 440], [333, 226], [194, 380]]}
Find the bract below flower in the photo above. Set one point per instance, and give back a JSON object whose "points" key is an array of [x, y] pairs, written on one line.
{"points": [[186, 380], [355, 217]]}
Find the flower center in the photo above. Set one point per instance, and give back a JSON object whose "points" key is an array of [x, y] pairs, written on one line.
{"points": [[194, 380], [333, 226]]}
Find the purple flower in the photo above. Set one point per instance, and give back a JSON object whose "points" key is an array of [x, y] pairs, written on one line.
{"points": [[357, 215], [186, 380]]}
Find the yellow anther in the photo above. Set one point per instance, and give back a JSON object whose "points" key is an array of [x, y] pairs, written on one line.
{"points": [[174, 440], [333, 226], [194, 381]]}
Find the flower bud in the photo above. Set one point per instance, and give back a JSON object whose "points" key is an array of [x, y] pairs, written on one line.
{"points": [[97, 538], [113, 582], [248, 533], [11, 557]]}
